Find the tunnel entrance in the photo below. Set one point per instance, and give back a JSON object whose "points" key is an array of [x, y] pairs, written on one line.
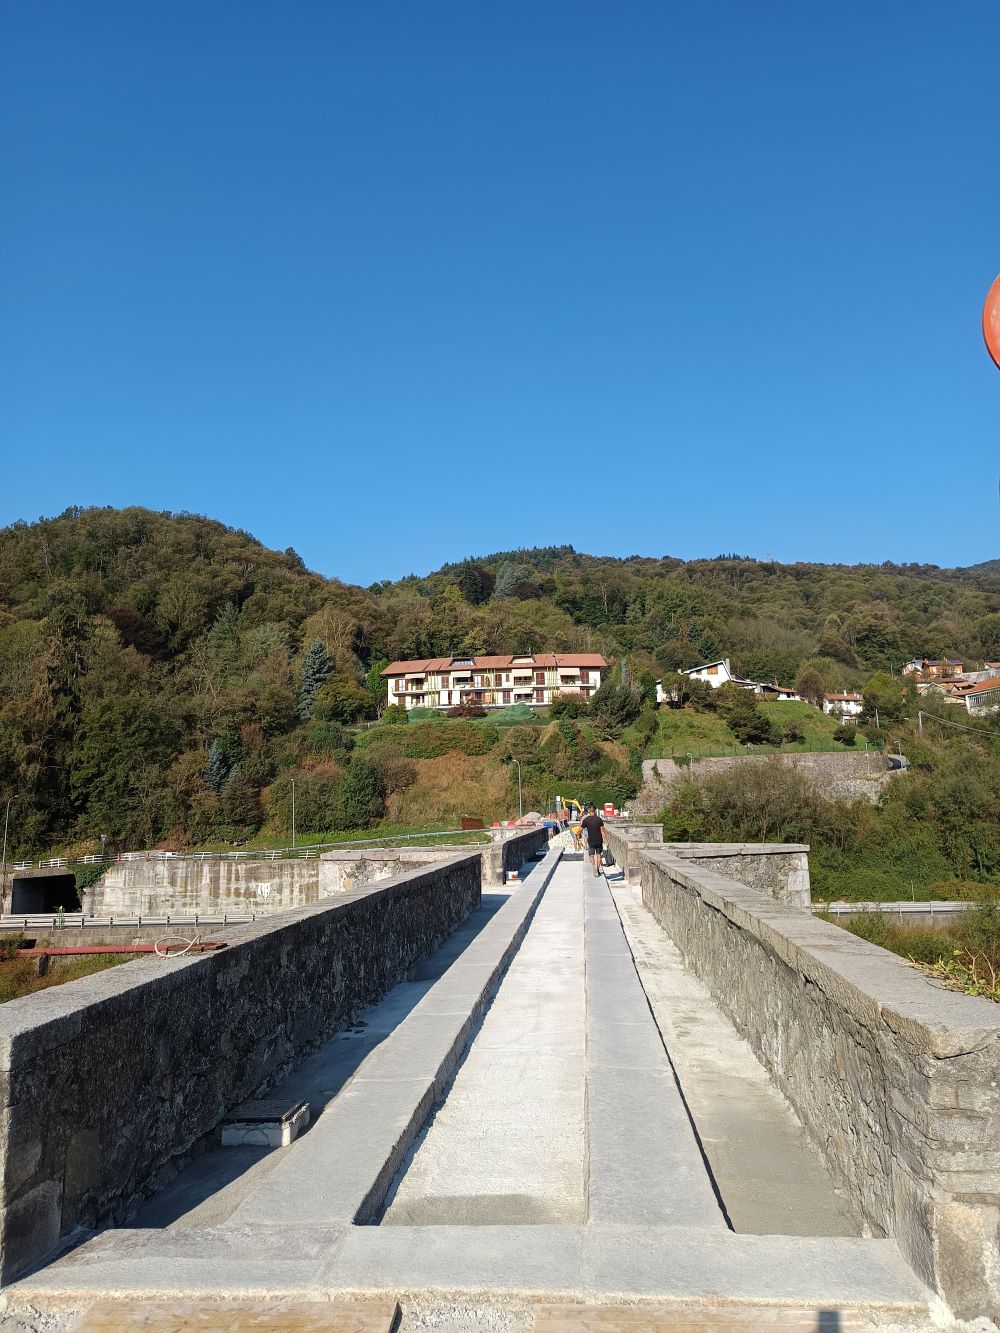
{"points": [[43, 894]]}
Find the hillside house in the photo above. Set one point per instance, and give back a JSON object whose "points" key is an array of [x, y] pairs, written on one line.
{"points": [[845, 706], [720, 673], [932, 668], [980, 696], [534, 679]]}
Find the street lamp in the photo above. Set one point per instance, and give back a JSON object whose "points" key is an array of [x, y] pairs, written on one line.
{"points": [[520, 805], [292, 780], [104, 846]]}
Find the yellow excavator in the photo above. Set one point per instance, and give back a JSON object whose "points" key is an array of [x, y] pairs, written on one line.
{"points": [[574, 809]]}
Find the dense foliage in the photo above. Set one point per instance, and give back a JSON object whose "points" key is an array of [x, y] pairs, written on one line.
{"points": [[935, 832], [164, 678]]}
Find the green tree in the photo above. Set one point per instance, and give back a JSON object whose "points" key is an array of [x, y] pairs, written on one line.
{"points": [[361, 795], [343, 700], [315, 669], [809, 684]]}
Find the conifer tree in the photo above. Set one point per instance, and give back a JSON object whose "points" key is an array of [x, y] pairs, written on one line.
{"points": [[316, 668], [217, 768]]}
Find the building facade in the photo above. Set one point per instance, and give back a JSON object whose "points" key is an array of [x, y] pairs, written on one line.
{"points": [[848, 707], [535, 679]]}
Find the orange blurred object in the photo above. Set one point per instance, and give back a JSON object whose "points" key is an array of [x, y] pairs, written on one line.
{"points": [[991, 321]]}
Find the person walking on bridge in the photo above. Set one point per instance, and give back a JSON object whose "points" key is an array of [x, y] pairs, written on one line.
{"points": [[593, 827]]}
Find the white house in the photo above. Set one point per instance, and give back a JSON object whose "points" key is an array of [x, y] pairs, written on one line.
{"points": [[845, 706], [983, 696], [534, 679], [721, 673]]}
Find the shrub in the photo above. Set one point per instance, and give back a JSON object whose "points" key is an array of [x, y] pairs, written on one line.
{"points": [[846, 735], [9, 945], [569, 705], [792, 732], [395, 714], [466, 710], [361, 796]]}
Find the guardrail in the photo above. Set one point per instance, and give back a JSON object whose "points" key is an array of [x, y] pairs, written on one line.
{"points": [[80, 921], [262, 854]]}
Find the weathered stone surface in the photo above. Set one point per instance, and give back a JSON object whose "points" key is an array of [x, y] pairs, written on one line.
{"points": [[113, 1076], [894, 1079], [352, 868], [778, 869]]}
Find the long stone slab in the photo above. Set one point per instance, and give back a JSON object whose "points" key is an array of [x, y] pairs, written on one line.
{"points": [[679, 1265], [340, 1171], [645, 1163], [508, 1145], [240, 1317]]}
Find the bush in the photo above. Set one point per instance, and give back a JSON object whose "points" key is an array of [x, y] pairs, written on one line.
{"points": [[9, 945], [792, 733], [395, 714], [466, 710], [361, 796], [569, 705], [846, 735]]}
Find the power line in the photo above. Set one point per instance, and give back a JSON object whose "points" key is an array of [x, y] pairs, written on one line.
{"points": [[933, 717]]}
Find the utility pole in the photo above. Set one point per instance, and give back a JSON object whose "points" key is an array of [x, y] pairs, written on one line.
{"points": [[292, 780], [3, 859], [520, 803]]}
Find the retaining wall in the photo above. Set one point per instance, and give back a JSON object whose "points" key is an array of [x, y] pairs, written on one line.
{"points": [[183, 887], [105, 1082], [894, 1079], [845, 773]]}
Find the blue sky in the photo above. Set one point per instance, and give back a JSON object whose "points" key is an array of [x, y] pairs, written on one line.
{"points": [[397, 283]]}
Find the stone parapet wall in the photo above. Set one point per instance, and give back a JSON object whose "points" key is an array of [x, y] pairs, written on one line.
{"points": [[107, 1082], [779, 869], [626, 841], [351, 867], [895, 1080]]}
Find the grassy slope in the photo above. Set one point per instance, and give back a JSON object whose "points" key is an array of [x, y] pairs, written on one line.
{"points": [[683, 729]]}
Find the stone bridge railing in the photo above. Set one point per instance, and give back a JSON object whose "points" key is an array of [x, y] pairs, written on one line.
{"points": [[895, 1080], [779, 869], [108, 1080]]}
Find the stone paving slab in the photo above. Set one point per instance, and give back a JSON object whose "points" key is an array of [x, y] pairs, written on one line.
{"points": [[340, 1171], [286, 1316], [679, 1265], [668, 1319], [508, 1144], [646, 1167], [771, 1178]]}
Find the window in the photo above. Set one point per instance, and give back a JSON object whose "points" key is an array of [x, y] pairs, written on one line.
{"points": [[506, 696], [712, 671], [539, 696], [539, 677], [585, 676]]}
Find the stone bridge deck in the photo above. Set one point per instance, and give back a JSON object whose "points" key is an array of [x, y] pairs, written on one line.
{"points": [[550, 1109]]}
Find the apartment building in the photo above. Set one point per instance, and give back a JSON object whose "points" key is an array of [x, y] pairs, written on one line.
{"points": [[494, 682]]}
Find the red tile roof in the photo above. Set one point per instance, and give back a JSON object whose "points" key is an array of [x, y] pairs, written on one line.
{"points": [[425, 664]]}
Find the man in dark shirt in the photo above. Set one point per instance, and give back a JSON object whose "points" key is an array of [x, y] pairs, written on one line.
{"points": [[593, 830]]}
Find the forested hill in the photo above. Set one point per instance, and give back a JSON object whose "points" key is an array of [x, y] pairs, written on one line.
{"points": [[159, 673]]}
